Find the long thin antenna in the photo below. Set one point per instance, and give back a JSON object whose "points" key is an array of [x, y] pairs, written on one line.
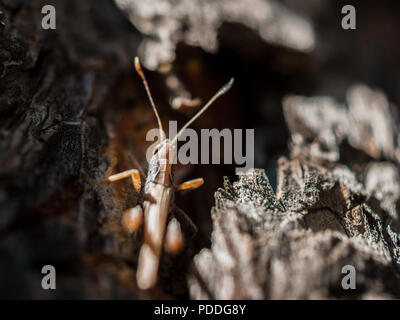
{"points": [[141, 74], [219, 93]]}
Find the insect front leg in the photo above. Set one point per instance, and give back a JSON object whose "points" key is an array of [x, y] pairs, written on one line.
{"points": [[190, 185], [133, 173]]}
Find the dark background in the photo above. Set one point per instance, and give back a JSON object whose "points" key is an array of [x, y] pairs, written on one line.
{"points": [[71, 102]]}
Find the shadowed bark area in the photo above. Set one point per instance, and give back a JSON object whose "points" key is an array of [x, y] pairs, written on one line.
{"points": [[72, 110]]}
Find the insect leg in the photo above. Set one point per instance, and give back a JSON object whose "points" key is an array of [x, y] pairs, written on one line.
{"points": [[133, 173], [137, 164], [132, 219], [190, 185], [174, 240], [184, 219]]}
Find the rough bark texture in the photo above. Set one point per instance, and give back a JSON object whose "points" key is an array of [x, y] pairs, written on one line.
{"points": [[332, 207], [294, 244], [72, 108]]}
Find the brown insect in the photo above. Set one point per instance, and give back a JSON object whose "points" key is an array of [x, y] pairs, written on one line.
{"points": [[157, 200]]}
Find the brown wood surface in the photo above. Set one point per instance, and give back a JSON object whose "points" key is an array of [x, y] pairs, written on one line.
{"points": [[324, 106]]}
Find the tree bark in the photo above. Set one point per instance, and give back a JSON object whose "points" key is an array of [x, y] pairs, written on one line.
{"points": [[72, 110]]}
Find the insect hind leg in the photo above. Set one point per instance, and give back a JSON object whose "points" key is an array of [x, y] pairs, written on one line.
{"points": [[185, 220]]}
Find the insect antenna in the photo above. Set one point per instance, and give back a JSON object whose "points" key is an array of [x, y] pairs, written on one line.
{"points": [[141, 74], [219, 93]]}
